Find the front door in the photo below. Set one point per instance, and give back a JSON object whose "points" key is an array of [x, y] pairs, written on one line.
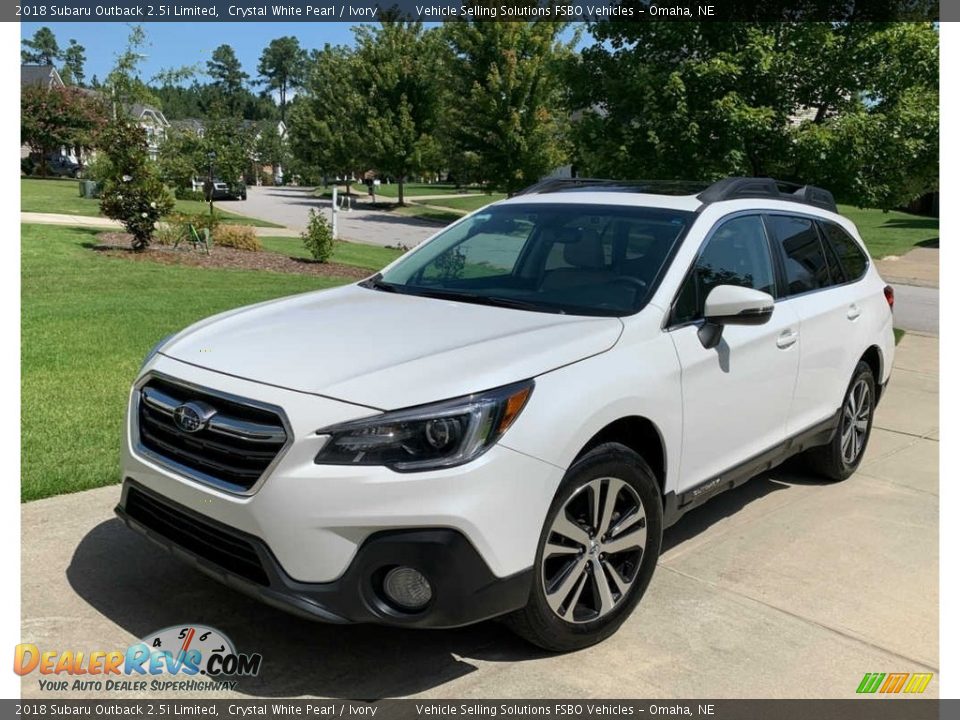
{"points": [[736, 396]]}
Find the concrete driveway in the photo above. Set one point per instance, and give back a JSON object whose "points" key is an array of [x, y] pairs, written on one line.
{"points": [[787, 587], [290, 206]]}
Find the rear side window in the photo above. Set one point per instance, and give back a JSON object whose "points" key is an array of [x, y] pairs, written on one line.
{"points": [[736, 254], [848, 251], [804, 260]]}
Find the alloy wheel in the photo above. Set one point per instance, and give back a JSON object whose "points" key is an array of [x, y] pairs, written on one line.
{"points": [[856, 422], [593, 550]]}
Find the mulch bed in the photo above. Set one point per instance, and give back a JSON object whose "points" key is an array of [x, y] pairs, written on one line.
{"points": [[117, 244]]}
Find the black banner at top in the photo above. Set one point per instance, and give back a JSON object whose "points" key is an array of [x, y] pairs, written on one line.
{"points": [[484, 10]]}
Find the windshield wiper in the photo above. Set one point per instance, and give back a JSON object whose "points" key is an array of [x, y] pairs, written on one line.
{"points": [[377, 283]]}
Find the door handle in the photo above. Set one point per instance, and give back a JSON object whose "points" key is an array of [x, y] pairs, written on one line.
{"points": [[853, 312], [787, 338]]}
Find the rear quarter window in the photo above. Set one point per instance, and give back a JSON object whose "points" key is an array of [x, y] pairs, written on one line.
{"points": [[852, 259]]}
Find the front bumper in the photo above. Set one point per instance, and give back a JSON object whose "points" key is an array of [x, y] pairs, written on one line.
{"points": [[316, 530], [465, 591]]}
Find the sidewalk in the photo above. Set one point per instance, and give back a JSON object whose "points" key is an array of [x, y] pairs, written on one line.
{"points": [[919, 267], [787, 587]]}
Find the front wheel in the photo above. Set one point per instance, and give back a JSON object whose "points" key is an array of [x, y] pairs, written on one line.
{"points": [[841, 457], [597, 552]]}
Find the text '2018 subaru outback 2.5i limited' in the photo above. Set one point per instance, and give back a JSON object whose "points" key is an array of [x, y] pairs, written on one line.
{"points": [[503, 421]]}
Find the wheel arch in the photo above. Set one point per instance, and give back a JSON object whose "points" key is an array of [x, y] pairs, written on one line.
{"points": [[873, 357], [641, 435]]}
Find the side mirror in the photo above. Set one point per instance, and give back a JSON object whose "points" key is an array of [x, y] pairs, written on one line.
{"points": [[732, 305]]}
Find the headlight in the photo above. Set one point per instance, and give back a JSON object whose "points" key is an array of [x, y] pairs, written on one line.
{"points": [[428, 437], [153, 351]]}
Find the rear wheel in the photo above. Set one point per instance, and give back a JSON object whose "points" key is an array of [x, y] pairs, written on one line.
{"points": [[841, 457], [598, 550]]}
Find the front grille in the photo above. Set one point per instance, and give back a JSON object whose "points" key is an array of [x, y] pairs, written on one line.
{"points": [[229, 552], [234, 447]]}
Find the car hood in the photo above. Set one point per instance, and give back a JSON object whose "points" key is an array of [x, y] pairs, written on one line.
{"points": [[388, 350]]}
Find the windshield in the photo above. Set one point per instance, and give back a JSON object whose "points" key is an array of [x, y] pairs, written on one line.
{"points": [[569, 258]]}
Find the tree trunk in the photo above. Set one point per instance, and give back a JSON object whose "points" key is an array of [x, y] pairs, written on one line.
{"points": [[400, 190]]}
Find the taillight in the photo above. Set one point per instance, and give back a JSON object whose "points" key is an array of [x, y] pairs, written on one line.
{"points": [[888, 294]]}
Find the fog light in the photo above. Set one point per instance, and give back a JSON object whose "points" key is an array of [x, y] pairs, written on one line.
{"points": [[407, 588]]}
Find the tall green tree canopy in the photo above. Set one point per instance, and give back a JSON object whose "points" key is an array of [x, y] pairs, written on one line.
{"points": [[74, 58], [399, 70], [506, 102], [851, 106], [281, 68], [326, 118], [41, 49], [228, 76]]}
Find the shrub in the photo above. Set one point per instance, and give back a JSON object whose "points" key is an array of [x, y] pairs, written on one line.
{"points": [[167, 233], [240, 237], [182, 193], [318, 237], [132, 192]]}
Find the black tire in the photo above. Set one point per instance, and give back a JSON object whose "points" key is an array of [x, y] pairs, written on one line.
{"points": [[538, 622], [834, 461]]}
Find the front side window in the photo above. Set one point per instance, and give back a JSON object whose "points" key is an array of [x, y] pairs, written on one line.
{"points": [[565, 258], [851, 257], [736, 254], [804, 261]]}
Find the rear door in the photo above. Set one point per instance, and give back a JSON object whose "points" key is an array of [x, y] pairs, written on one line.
{"points": [[830, 310], [735, 396]]}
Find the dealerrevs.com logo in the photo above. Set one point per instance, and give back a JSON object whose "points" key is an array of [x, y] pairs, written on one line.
{"points": [[181, 657]]}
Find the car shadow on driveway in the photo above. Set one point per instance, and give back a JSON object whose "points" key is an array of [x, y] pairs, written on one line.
{"points": [[142, 589]]}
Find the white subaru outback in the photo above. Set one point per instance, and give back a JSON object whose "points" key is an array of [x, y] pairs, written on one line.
{"points": [[504, 420]]}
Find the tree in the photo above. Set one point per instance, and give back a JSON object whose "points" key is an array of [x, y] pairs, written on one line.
{"points": [[41, 49], [851, 106], [74, 58], [228, 76], [231, 142], [181, 158], [123, 84], [507, 104], [133, 193], [326, 118], [281, 68], [58, 117], [398, 67]]}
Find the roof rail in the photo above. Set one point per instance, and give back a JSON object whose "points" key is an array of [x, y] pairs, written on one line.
{"points": [[735, 188], [654, 187], [731, 188]]}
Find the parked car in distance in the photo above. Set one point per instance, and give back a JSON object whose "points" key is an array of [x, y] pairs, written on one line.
{"points": [[502, 422], [56, 165], [221, 190]]}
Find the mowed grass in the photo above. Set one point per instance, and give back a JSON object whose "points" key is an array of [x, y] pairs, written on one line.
{"points": [[893, 233], [365, 256], [62, 197], [468, 203], [86, 323]]}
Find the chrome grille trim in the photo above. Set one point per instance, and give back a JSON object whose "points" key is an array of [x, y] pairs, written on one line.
{"points": [[229, 428]]}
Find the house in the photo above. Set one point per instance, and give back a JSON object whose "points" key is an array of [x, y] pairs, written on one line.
{"points": [[40, 75], [149, 118]]}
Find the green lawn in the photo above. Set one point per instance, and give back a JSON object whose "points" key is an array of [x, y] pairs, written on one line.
{"points": [[893, 233], [62, 197], [348, 253], [469, 203], [86, 323]]}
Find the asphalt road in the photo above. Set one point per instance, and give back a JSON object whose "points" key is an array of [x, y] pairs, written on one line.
{"points": [[291, 206], [917, 309]]}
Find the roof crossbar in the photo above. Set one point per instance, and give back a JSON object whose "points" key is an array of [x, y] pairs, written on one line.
{"points": [[736, 188]]}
